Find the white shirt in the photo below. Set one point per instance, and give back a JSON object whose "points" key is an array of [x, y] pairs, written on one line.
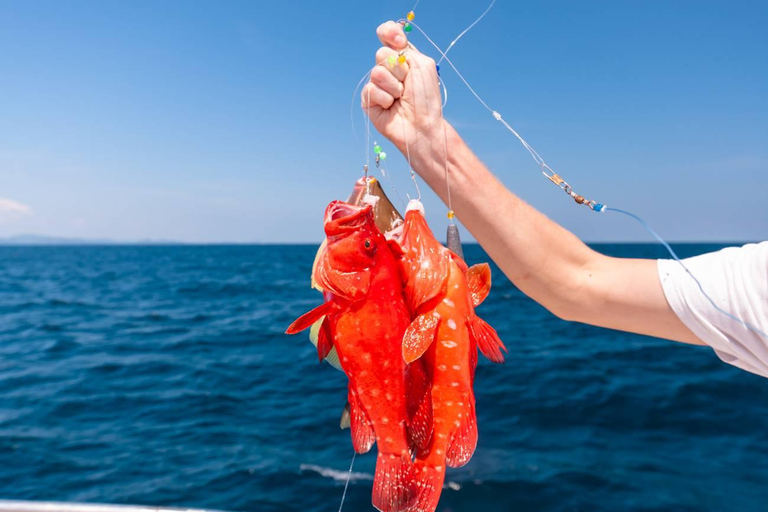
{"points": [[736, 279]]}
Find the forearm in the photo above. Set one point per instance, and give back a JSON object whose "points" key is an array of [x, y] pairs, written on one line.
{"points": [[543, 259]]}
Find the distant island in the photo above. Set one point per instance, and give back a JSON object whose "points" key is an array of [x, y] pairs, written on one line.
{"points": [[55, 240]]}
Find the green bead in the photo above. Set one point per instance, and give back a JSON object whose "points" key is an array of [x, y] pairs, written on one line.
{"points": [[383, 155], [392, 60], [407, 27], [377, 149]]}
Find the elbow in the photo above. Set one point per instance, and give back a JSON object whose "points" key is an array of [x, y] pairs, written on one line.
{"points": [[577, 298], [567, 311]]}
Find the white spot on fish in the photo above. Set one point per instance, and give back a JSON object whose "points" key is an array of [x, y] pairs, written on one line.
{"points": [[456, 367], [451, 324], [457, 423], [448, 302], [442, 367], [376, 392], [449, 344], [385, 420], [454, 384]]}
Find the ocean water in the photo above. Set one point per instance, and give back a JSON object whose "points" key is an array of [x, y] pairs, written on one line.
{"points": [[161, 375]]}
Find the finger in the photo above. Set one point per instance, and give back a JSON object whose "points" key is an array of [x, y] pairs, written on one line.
{"points": [[373, 96], [387, 82], [418, 60], [391, 34], [385, 56]]}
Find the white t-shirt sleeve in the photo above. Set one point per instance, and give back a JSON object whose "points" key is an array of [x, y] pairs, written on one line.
{"points": [[736, 279]]}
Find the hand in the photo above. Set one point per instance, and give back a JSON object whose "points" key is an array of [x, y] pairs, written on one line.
{"points": [[403, 100]]}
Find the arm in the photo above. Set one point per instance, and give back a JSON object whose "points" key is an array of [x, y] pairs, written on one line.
{"points": [[544, 260]]}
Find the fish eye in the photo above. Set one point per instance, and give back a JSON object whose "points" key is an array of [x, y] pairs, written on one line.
{"points": [[367, 243]]}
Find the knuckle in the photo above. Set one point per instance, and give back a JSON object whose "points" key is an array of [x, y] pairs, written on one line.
{"points": [[382, 54], [379, 75]]}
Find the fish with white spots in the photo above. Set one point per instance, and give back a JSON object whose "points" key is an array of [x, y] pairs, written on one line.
{"points": [[446, 334], [364, 318]]}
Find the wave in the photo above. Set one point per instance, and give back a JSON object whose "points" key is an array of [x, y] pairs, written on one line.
{"points": [[341, 476]]}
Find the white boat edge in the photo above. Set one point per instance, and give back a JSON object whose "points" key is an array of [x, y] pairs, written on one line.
{"points": [[56, 506]]}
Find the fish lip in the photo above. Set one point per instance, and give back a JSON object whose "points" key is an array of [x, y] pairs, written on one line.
{"points": [[342, 217]]}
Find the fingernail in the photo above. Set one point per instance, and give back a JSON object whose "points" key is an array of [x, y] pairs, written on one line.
{"points": [[400, 40]]}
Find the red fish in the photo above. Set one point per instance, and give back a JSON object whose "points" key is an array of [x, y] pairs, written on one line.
{"points": [[365, 319], [447, 333]]}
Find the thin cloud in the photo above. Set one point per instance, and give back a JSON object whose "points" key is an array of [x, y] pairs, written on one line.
{"points": [[10, 210]]}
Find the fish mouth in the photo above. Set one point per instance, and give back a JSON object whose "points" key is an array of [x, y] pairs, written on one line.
{"points": [[341, 217]]}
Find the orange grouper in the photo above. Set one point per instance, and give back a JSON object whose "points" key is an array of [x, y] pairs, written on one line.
{"points": [[446, 334], [365, 319]]}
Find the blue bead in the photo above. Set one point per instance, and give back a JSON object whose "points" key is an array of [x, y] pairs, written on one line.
{"points": [[599, 207], [438, 68]]}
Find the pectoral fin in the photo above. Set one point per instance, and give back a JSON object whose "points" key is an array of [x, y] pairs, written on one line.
{"points": [[324, 340], [419, 336], [332, 358], [307, 319]]}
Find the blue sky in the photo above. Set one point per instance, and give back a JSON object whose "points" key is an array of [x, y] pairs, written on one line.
{"points": [[230, 121]]}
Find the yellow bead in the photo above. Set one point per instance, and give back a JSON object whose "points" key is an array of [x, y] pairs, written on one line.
{"points": [[401, 59], [410, 16], [451, 215], [391, 60]]}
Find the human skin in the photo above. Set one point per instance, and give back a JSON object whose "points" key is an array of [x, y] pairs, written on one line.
{"points": [[544, 260]]}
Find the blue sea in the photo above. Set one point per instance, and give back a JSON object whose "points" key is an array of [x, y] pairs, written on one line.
{"points": [[161, 376]]}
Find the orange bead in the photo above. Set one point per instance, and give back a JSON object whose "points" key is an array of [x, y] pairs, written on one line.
{"points": [[401, 59], [410, 16]]}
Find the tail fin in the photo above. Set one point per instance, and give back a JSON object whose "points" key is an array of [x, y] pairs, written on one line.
{"points": [[419, 406], [463, 441], [394, 484], [487, 340], [430, 485]]}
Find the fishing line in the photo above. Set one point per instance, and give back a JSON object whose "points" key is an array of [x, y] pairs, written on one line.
{"points": [[349, 476], [550, 174], [385, 172], [456, 40]]}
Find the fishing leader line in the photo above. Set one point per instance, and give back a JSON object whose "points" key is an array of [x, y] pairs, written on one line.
{"points": [[349, 476], [551, 175]]}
